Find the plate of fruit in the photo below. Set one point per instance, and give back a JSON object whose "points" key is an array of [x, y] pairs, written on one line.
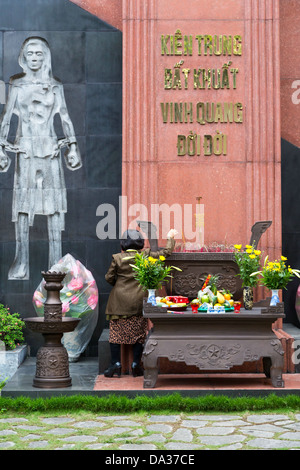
{"points": [[175, 303], [214, 299]]}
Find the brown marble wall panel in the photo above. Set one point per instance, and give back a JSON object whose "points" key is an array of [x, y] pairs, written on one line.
{"points": [[237, 189]]}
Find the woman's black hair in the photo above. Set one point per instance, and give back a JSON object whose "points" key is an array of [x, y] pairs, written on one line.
{"points": [[132, 240]]}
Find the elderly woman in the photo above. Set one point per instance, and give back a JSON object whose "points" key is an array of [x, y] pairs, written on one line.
{"points": [[125, 304], [35, 97]]}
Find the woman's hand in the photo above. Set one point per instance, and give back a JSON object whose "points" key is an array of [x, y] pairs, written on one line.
{"points": [[172, 233]]}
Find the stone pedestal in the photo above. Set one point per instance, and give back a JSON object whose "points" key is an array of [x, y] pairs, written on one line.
{"points": [[52, 362]]}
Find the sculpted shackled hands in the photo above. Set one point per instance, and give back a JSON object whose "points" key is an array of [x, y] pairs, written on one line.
{"points": [[72, 157], [4, 160]]}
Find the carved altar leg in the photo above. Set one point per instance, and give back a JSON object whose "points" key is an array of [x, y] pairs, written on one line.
{"points": [[276, 377], [273, 365], [150, 377], [276, 371], [150, 363]]}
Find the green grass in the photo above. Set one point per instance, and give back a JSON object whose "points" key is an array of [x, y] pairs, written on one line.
{"points": [[167, 403]]}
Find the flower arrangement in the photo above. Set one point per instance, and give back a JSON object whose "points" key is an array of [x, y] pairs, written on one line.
{"points": [[11, 328], [276, 274], [150, 272], [79, 294], [248, 261]]}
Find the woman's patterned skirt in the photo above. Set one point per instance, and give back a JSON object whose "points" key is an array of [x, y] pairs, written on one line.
{"points": [[128, 330]]}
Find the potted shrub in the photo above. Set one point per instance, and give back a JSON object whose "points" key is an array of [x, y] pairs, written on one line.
{"points": [[11, 328]]}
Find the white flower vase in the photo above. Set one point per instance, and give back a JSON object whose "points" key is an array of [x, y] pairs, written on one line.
{"points": [[275, 298], [151, 297]]}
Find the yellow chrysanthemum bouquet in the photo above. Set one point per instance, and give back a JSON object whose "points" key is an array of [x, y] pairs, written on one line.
{"points": [[150, 272], [276, 274], [248, 261]]}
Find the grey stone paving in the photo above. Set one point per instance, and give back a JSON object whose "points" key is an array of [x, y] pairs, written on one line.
{"points": [[262, 431]]}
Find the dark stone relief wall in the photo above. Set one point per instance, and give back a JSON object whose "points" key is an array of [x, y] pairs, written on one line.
{"points": [[87, 58], [290, 155]]}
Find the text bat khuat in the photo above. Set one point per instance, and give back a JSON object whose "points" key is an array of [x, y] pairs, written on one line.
{"points": [[201, 78]]}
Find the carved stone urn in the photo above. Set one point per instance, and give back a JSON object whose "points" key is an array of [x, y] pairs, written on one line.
{"points": [[52, 361]]}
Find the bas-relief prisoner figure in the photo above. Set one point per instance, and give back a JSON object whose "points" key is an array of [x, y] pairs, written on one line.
{"points": [[35, 96]]}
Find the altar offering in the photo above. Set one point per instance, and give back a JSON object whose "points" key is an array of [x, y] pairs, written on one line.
{"points": [[175, 303], [212, 300]]}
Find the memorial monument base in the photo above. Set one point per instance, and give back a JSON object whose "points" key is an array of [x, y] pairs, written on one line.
{"points": [[10, 361]]}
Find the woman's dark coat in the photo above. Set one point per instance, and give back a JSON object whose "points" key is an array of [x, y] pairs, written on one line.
{"points": [[126, 297]]}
